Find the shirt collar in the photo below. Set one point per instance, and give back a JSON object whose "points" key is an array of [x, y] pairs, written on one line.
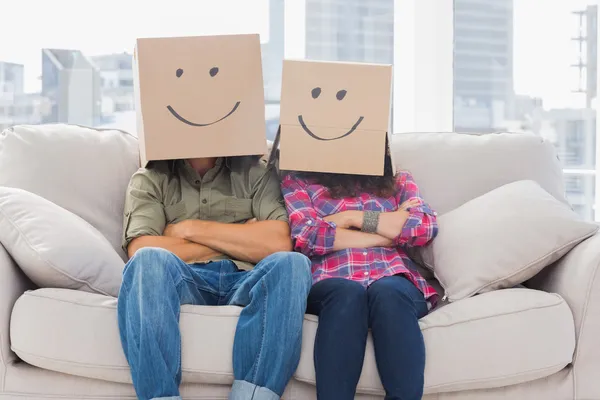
{"points": [[191, 175]]}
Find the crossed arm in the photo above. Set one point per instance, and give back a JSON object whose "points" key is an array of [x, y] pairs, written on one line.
{"points": [[349, 223], [197, 240], [413, 223]]}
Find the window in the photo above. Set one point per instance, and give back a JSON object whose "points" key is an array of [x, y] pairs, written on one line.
{"points": [[125, 64], [540, 76], [464, 65], [103, 46]]}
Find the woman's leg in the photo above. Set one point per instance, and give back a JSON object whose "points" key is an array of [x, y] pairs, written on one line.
{"points": [[341, 306], [395, 306]]}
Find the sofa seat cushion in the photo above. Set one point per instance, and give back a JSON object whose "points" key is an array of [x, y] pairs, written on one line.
{"points": [[491, 340], [77, 333]]}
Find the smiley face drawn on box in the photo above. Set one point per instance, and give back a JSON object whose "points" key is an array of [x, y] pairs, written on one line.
{"points": [[334, 117], [199, 97], [212, 72]]}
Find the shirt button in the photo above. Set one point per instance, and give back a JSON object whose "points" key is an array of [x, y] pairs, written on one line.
{"points": [[197, 182], [309, 222], [366, 272], [365, 253], [435, 213], [204, 201]]}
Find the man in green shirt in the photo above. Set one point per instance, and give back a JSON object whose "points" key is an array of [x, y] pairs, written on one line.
{"points": [[194, 229], [207, 230]]}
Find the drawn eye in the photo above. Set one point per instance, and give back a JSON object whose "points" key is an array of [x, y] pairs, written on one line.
{"points": [[316, 92], [341, 94], [213, 71], [179, 72]]}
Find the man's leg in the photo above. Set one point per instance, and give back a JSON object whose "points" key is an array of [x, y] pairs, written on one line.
{"points": [[155, 283], [266, 350], [341, 306], [395, 306]]}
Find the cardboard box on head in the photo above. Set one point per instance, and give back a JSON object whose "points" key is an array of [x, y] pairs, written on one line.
{"points": [[335, 117], [199, 97]]}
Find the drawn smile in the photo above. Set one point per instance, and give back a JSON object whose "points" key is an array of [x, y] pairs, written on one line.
{"points": [[185, 121], [303, 125]]}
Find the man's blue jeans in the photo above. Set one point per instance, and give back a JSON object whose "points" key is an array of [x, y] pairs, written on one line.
{"points": [[266, 348]]}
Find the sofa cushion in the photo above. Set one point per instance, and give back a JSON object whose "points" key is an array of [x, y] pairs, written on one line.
{"points": [[56, 248], [453, 168], [492, 340], [501, 239], [83, 170]]}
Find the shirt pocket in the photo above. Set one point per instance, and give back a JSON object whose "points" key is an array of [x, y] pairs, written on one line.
{"points": [[175, 213], [238, 210]]}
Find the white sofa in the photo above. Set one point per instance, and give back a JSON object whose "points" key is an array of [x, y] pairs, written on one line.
{"points": [[539, 342]]}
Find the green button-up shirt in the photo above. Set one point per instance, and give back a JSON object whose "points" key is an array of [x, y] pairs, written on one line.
{"points": [[235, 190]]}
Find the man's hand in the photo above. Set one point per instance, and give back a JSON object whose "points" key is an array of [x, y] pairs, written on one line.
{"points": [[178, 230], [249, 241]]}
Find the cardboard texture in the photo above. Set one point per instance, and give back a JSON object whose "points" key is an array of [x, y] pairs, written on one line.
{"points": [[334, 117], [199, 97]]}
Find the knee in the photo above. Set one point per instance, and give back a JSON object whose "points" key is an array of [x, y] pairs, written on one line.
{"points": [[292, 269], [149, 264], [394, 291], [348, 298]]}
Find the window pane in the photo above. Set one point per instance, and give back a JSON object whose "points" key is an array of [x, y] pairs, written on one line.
{"points": [[79, 70], [350, 30], [513, 74]]}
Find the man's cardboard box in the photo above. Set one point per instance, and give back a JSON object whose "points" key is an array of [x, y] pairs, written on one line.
{"points": [[199, 97], [335, 117]]}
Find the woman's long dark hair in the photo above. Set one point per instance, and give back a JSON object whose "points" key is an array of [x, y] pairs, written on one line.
{"points": [[342, 185]]}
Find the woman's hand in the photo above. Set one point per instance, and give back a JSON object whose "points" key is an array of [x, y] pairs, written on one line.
{"points": [[346, 219], [408, 204]]}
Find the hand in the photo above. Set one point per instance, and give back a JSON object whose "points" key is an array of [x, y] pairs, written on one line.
{"points": [[408, 204], [345, 219], [175, 230]]}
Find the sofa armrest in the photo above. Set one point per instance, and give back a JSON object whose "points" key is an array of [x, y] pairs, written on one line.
{"points": [[576, 277], [13, 283]]}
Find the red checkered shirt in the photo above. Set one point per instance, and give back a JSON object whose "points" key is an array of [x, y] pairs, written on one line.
{"points": [[308, 203]]}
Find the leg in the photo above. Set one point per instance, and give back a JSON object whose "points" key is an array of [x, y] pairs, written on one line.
{"points": [[155, 283], [339, 354], [395, 306], [266, 349]]}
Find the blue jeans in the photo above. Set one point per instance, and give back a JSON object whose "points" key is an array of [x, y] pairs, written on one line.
{"points": [[391, 307], [266, 348]]}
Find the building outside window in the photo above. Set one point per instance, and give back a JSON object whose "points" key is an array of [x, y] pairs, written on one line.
{"points": [[481, 66]]}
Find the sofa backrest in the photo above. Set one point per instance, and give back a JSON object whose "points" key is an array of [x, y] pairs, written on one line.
{"points": [[83, 170], [86, 171], [453, 168]]}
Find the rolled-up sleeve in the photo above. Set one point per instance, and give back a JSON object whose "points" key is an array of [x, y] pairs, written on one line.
{"points": [[144, 213], [311, 235], [421, 226], [267, 202]]}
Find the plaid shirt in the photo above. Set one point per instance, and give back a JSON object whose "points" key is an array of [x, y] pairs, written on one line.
{"points": [[308, 204]]}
